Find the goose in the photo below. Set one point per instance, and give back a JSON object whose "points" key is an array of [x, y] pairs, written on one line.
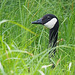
{"points": [[51, 22]]}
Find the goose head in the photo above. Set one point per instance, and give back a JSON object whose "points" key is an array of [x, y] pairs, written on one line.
{"points": [[49, 20]]}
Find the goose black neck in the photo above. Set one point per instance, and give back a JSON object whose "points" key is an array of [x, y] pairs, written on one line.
{"points": [[53, 35]]}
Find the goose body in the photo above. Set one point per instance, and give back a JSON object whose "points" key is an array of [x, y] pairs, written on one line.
{"points": [[51, 22]]}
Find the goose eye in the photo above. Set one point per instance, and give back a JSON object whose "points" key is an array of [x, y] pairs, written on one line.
{"points": [[48, 17]]}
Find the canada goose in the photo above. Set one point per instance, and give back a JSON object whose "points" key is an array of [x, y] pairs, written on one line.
{"points": [[51, 22]]}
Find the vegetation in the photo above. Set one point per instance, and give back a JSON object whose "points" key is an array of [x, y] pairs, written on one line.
{"points": [[24, 46]]}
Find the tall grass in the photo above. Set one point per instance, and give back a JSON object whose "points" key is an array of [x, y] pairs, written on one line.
{"points": [[24, 47]]}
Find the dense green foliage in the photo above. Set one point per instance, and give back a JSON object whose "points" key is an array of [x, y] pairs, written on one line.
{"points": [[24, 46]]}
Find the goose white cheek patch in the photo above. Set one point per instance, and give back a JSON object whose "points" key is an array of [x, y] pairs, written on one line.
{"points": [[50, 24]]}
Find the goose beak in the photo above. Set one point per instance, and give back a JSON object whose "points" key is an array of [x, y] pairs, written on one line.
{"points": [[37, 22]]}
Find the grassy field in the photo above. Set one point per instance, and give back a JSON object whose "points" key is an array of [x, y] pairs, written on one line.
{"points": [[24, 46]]}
